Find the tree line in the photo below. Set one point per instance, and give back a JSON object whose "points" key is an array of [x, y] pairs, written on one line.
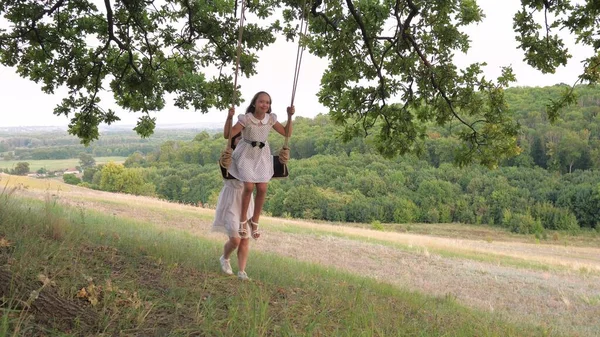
{"points": [[344, 181], [60, 145]]}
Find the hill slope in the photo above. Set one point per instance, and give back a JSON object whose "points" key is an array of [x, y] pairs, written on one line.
{"points": [[553, 285]]}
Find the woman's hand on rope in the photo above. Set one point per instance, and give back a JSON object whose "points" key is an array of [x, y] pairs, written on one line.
{"points": [[284, 155], [231, 113], [225, 159]]}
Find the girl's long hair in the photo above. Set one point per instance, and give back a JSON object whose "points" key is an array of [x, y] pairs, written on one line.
{"points": [[251, 108]]}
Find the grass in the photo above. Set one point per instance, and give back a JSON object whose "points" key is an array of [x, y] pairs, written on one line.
{"points": [[496, 259], [31, 183], [187, 215], [581, 238], [54, 165], [143, 280]]}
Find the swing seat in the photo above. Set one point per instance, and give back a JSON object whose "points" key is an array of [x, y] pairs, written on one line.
{"points": [[279, 170]]}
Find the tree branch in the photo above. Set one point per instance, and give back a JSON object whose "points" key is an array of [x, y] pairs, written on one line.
{"points": [[38, 17], [48, 11], [314, 12], [367, 42], [407, 36], [112, 37]]}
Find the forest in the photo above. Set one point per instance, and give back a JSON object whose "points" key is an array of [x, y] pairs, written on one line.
{"points": [[553, 183]]}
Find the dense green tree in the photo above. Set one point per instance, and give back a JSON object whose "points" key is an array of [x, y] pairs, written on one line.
{"points": [[369, 183], [568, 151], [406, 211], [202, 136], [134, 160], [88, 174], [86, 160], [200, 187], [538, 152], [391, 63], [134, 183], [584, 201], [171, 187], [595, 156], [111, 178], [304, 202], [21, 169], [434, 200]]}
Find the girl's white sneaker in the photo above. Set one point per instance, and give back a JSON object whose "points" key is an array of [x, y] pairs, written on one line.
{"points": [[243, 276]]}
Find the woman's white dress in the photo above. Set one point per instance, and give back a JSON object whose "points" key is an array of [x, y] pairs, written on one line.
{"points": [[229, 208], [253, 163]]}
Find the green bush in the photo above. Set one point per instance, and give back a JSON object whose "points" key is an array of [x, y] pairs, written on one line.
{"points": [[445, 213], [406, 211], [71, 179], [556, 218], [376, 225], [431, 215], [86, 185], [522, 223], [463, 213]]}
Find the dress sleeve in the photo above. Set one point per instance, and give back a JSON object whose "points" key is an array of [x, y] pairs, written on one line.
{"points": [[273, 119], [242, 120]]}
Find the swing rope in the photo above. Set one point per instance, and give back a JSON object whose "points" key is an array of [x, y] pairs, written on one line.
{"points": [[284, 153], [225, 159]]}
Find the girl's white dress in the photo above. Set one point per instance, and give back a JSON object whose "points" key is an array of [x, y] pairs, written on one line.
{"points": [[251, 159], [229, 208]]}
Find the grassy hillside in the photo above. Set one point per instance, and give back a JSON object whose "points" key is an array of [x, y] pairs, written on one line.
{"points": [[130, 277]]}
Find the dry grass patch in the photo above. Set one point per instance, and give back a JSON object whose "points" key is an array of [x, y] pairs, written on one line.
{"points": [[573, 258], [25, 183]]}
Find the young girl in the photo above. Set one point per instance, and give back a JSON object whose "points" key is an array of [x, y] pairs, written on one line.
{"points": [[252, 162]]}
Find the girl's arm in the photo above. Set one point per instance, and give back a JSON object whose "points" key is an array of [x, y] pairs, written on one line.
{"points": [[235, 129], [280, 128]]}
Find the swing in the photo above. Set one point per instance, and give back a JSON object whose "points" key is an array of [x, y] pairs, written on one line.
{"points": [[280, 169]]}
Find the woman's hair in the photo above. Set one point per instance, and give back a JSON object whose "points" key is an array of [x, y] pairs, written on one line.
{"points": [[252, 107]]}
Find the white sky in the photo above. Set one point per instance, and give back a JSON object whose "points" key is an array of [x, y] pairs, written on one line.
{"points": [[22, 103]]}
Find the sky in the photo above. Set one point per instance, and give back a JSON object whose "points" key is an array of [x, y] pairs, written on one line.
{"points": [[22, 103]]}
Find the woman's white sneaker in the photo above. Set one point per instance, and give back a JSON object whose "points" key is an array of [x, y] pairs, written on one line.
{"points": [[225, 266]]}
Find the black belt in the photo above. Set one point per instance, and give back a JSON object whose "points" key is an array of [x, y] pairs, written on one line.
{"points": [[255, 143]]}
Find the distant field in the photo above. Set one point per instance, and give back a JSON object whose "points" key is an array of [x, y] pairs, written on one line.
{"points": [[53, 165]]}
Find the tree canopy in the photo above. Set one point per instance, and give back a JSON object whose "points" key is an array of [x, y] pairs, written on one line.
{"points": [[390, 72]]}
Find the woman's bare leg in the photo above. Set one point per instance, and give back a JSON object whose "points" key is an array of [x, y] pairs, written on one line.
{"points": [[242, 253], [230, 246]]}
